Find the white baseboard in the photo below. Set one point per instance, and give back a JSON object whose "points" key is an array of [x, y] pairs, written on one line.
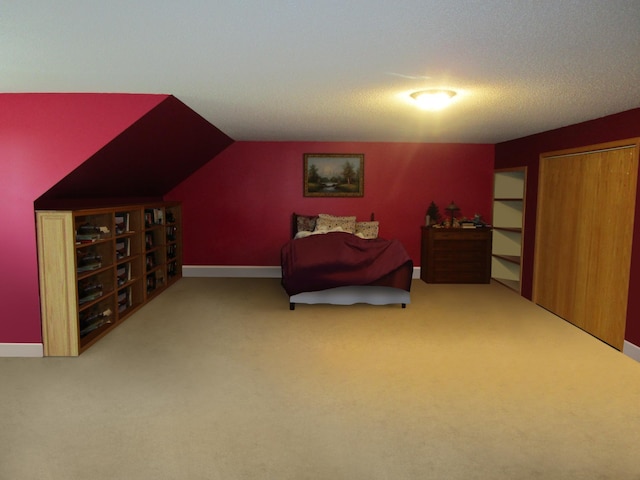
{"points": [[631, 350], [230, 271], [21, 350], [239, 272]]}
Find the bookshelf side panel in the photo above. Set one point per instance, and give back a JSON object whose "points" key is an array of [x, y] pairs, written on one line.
{"points": [[58, 302]]}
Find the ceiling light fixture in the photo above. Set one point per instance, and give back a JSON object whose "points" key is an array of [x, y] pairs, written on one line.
{"points": [[433, 99]]}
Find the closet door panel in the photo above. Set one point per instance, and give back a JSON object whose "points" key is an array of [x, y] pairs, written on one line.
{"points": [[555, 258], [604, 245], [586, 233], [583, 256]]}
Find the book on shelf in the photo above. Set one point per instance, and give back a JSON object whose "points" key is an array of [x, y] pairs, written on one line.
{"points": [[89, 291], [90, 233], [158, 216], [94, 319], [160, 277], [151, 283], [88, 268], [87, 238], [124, 274], [148, 240], [172, 269], [124, 300], [153, 216], [123, 248], [89, 298], [122, 223], [86, 261], [88, 228]]}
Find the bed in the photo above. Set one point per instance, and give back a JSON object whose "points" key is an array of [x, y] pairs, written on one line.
{"points": [[340, 261]]}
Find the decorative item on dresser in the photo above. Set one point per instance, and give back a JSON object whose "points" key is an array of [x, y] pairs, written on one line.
{"points": [[452, 208], [433, 214], [98, 266], [337, 260], [455, 255]]}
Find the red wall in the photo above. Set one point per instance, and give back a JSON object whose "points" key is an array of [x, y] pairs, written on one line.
{"points": [[42, 138], [237, 208], [526, 151]]}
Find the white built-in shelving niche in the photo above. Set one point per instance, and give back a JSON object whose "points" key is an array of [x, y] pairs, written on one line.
{"points": [[508, 226]]}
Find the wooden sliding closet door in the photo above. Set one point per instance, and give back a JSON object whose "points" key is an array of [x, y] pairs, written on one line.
{"points": [[586, 204]]}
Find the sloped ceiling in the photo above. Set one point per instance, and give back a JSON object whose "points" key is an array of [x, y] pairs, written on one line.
{"points": [[339, 71], [145, 161]]}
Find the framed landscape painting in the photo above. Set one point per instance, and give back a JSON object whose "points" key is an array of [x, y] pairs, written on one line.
{"points": [[333, 175]]}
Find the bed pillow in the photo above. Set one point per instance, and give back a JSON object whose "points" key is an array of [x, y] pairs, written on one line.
{"points": [[331, 222], [304, 234], [306, 223], [367, 229]]}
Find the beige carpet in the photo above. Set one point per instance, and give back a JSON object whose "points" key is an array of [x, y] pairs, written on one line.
{"points": [[217, 379]]}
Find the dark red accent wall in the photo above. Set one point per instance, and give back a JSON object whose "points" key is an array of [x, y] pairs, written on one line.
{"points": [[80, 150], [237, 208], [526, 152], [145, 161], [43, 137]]}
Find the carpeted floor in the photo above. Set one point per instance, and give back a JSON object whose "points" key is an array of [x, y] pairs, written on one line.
{"points": [[217, 379]]}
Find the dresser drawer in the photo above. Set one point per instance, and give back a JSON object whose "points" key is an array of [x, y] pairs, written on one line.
{"points": [[460, 250], [459, 234]]}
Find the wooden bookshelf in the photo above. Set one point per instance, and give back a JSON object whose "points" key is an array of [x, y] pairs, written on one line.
{"points": [[93, 269]]}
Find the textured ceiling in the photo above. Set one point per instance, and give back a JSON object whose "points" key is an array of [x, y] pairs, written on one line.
{"points": [[338, 70]]}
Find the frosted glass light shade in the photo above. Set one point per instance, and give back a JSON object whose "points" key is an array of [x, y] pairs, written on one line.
{"points": [[433, 99]]}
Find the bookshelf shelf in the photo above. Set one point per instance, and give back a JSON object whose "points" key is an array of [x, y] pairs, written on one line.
{"points": [[508, 229], [93, 269], [508, 258]]}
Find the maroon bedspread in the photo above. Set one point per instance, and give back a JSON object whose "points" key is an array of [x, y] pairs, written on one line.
{"points": [[338, 259]]}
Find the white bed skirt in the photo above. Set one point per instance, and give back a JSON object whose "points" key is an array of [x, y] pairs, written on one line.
{"points": [[373, 295]]}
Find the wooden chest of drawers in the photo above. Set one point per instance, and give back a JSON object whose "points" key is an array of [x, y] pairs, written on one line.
{"points": [[455, 255]]}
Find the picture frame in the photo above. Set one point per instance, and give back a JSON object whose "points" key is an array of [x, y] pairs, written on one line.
{"points": [[333, 175]]}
